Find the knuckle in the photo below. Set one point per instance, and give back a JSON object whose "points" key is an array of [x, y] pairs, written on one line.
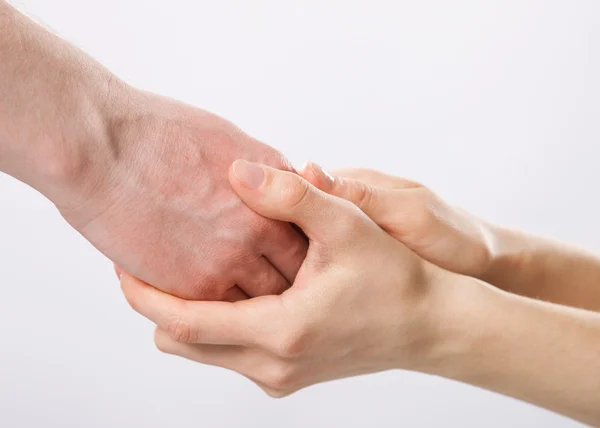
{"points": [[294, 248], [261, 227], [297, 252], [280, 377], [296, 194], [255, 228], [292, 344], [208, 287], [267, 281], [180, 330], [366, 196]]}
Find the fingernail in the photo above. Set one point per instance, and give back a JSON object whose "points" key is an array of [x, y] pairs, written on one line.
{"points": [[250, 174], [305, 166], [327, 179]]}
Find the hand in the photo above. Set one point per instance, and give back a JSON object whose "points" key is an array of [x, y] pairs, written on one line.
{"points": [[362, 302], [410, 212], [141, 177], [162, 209]]}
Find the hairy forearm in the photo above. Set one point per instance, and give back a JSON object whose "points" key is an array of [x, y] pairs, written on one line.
{"points": [[539, 352], [544, 269], [54, 108]]}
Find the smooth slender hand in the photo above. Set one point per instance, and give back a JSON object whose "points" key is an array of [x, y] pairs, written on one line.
{"points": [[362, 302], [460, 242]]}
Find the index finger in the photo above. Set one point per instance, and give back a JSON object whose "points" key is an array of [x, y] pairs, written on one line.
{"points": [[218, 323], [375, 178]]}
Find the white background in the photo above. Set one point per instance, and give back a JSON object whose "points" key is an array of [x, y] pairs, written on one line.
{"points": [[495, 105]]}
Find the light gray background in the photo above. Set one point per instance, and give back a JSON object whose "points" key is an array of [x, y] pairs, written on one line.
{"points": [[493, 104]]}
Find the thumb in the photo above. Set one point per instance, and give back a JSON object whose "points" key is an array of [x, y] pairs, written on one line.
{"points": [[376, 202], [285, 196]]}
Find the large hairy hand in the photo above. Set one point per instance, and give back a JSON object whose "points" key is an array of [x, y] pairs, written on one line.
{"points": [[142, 177], [163, 210]]}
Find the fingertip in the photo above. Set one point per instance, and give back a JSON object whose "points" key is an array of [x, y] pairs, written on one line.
{"points": [[306, 172], [304, 169], [317, 176]]}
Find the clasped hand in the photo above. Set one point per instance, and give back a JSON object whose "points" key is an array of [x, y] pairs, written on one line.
{"points": [[361, 302]]}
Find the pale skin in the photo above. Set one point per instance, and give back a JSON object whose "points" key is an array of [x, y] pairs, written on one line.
{"points": [[142, 177], [364, 302], [400, 283], [460, 242]]}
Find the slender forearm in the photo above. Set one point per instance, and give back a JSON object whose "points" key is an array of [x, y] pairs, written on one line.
{"points": [[544, 269], [539, 352], [53, 110]]}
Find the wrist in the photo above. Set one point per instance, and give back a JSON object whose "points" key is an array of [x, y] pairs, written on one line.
{"points": [[56, 110], [68, 162], [517, 346], [509, 253], [457, 315]]}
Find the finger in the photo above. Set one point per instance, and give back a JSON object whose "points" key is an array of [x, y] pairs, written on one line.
{"points": [[285, 248], [375, 178], [225, 356], [285, 196], [246, 361], [373, 201], [260, 278], [220, 323]]}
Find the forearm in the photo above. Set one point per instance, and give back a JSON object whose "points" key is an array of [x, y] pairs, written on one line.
{"points": [[545, 354], [54, 108], [544, 269]]}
